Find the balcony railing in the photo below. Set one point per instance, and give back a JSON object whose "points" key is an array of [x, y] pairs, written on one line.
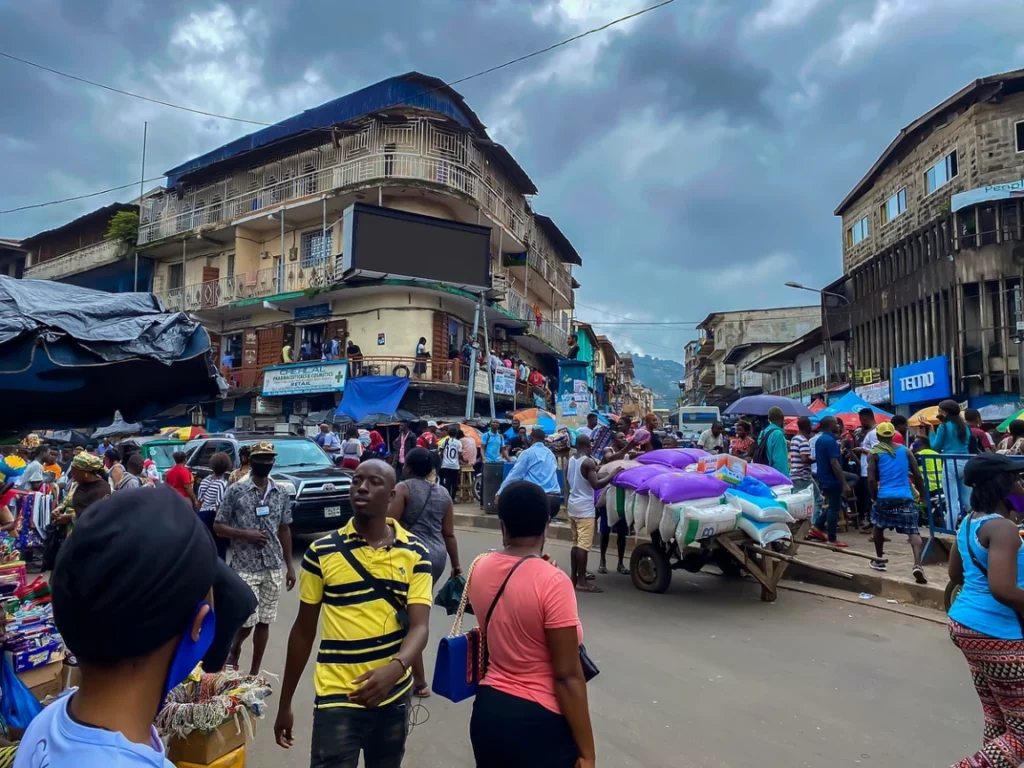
{"points": [[818, 382], [91, 256], [553, 333], [332, 168], [270, 281], [552, 273]]}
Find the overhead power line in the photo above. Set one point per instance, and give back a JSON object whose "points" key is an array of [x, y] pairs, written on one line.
{"points": [[79, 197], [399, 103]]}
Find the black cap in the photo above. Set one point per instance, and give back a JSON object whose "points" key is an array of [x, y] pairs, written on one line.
{"points": [[132, 573], [986, 466]]}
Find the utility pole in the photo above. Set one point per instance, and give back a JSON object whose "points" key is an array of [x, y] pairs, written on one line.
{"points": [[142, 182], [487, 357], [471, 383], [1018, 303]]}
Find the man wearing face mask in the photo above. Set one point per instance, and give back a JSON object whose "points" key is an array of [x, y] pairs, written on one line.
{"points": [[132, 598], [255, 514]]}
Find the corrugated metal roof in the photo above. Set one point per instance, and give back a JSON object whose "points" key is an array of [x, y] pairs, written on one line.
{"points": [[412, 89], [565, 249], [107, 210]]}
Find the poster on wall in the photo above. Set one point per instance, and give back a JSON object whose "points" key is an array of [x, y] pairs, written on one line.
{"points": [[504, 381], [579, 386], [874, 394], [381, 339]]}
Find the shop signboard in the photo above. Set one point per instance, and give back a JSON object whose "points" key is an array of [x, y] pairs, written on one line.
{"points": [[924, 381], [504, 381], [875, 394], [265, 406], [313, 311], [305, 378], [987, 194]]}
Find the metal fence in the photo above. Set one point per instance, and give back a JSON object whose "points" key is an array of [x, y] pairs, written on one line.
{"points": [[947, 498]]}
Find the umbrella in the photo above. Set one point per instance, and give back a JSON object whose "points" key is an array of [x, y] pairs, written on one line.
{"points": [[759, 405], [183, 433], [72, 436], [1018, 416], [118, 428], [817, 405], [66, 353], [536, 417], [851, 402], [470, 431], [930, 417]]}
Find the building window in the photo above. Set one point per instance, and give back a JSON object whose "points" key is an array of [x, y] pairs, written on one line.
{"points": [[314, 247], [941, 173], [1018, 129], [231, 351], [894, 206], [857, 233], [176, 276]]}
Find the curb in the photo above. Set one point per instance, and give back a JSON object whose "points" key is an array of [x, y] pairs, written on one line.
{"points": [[923, 595]]}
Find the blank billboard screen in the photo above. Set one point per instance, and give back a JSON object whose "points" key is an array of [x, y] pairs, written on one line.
{"points": [[384, 241]]}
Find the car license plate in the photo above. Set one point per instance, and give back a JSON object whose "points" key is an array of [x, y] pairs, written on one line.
{"points": [[332, 511]]}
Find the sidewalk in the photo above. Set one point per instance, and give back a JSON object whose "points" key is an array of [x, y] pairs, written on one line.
{"points": [[896, 583]]}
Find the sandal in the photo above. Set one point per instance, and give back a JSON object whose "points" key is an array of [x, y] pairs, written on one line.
{"points": [[602, 569], [622, 569], [590, 576], [589, 588], [421, 691]]}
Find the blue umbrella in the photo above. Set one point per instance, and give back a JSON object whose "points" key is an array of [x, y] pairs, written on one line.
{"points": [[759, 405]]}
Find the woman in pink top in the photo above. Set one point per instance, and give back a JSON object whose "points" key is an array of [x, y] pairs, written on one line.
{"points": [[531, 707]]}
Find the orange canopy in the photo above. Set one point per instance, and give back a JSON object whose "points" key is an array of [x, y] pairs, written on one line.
{"points": [[469, 431]]}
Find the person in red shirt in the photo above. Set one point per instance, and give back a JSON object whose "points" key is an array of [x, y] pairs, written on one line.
{"points": [[973, 418], [180, 479], [901, 424]]}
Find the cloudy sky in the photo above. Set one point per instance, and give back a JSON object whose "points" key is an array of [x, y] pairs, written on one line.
{"points": [[693, 155]]}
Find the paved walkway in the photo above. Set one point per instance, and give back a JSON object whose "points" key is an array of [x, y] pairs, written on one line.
{"points": [[896, 583]]}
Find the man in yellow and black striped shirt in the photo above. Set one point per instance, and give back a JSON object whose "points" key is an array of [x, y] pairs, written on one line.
{"points": [[368, 638]]}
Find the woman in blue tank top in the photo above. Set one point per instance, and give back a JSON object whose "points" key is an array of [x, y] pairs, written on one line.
{"points": [[890, 470], [985, 622]]}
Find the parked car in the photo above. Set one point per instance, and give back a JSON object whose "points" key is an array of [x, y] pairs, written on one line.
{"points": [[319, 490], [159, 450]]}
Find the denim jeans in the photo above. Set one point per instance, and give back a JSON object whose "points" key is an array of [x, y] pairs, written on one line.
{"points": [[341, 733], [828, 520]]}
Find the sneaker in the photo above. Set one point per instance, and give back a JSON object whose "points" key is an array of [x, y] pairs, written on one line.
{"points": [[919, 576], [841, 544], [878, 565], [816, 534]]}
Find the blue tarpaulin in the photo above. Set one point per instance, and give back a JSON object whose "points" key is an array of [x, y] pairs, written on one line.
{"points": [[851, 402], [372, 394]]}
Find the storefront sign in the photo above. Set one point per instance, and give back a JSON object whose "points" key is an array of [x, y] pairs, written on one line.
{"points": [[867, 376], [305, 378], [504, 381], [874, 394], [237, 323], [1007, 191], [926, 381], [265, 406], [314, 311]]}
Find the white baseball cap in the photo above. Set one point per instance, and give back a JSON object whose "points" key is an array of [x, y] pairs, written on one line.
{"points": [[431, 423]]}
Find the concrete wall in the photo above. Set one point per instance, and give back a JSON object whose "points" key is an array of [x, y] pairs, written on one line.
{"points": [[983, 136], [781, 325]]}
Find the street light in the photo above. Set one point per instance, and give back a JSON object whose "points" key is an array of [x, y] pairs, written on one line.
{"points": [[818, 290]]}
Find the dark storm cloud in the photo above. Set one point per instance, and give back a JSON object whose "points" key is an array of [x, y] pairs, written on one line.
{"points": [[694, 160]]}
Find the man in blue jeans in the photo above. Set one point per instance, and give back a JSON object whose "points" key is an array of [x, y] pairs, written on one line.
{"points": [[832, 482]]}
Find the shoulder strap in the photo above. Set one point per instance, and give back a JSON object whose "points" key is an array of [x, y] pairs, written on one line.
{"points": [[501, 591], [411, 521], [970, 550], [372, 581]]}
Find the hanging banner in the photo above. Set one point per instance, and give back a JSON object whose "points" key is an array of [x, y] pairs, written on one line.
{"points": [[305, 378], [504, 381]]}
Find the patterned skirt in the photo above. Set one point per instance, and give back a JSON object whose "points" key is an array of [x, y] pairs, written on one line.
{"points": [[997, 667], [900, 514]]}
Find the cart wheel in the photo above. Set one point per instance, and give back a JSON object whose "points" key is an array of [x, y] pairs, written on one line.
{"points": [[727, 564], [952, 593], [692, 562], [650, 569]]}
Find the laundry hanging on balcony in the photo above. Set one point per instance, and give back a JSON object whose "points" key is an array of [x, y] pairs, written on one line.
{"points": [[538, 316]]}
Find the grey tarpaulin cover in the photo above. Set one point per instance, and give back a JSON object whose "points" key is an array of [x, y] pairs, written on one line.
{"points": [[71, 356]]}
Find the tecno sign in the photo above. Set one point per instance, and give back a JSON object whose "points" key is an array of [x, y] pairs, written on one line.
{"points": [[923, 381], [920, 381]]}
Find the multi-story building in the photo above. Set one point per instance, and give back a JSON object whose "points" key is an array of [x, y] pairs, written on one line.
{"points": [[605, 372], [80, 253], [933, 247], [803, 368], [732, 343], [12, 258], [688, 386], [380, 218]]}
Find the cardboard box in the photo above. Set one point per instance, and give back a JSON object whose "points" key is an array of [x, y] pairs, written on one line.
{"points": [[205, 748], [22, 661], [44, 681], [235, 759]]}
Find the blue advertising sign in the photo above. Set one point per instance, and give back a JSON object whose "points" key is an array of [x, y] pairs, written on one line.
{"points": [[313, 311], [927, 380]]}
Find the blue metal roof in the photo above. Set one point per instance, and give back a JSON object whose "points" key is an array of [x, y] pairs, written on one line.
{"points": [[411, 89]]}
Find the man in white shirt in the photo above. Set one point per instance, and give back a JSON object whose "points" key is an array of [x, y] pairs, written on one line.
{"points": [[712, 440], [33, 473], [869, 441], [329, 441], [582, 479], [591, 425]]}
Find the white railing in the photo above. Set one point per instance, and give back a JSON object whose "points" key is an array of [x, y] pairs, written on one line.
{"points": [[91, 256], [269, 281], [549, 331], [423, 152], [551, 272]]}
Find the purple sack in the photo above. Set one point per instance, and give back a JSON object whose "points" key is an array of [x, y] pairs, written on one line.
{"points": [[770, 476], [679, 458], [631, 479], [676, 487]]}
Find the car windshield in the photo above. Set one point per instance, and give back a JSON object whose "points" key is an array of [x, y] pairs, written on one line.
{"points": [[297, 453], [162, 455]]}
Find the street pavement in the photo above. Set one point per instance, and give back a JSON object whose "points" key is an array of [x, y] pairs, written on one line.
{"points": [[706, 675]]}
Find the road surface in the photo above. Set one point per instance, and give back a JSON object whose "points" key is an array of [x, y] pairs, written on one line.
{"points": [[708, 676]]}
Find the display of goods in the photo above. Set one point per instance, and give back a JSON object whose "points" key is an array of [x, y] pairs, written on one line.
{"points": [[633, 477], [674, 487], [612, 467], [728, 469], [679, 458], [799, 504], [697, 521], [615, 504], [759, 508], [764, 533], [767, 475]]}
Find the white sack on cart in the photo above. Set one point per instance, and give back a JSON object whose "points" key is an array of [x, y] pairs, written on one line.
{"points": [[763, 509], [702, 522], [764, 533], [641, 509], [800, 504], [615, 503]]}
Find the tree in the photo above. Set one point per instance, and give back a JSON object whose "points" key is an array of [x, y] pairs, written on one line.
{"points": [[124, 228]]}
